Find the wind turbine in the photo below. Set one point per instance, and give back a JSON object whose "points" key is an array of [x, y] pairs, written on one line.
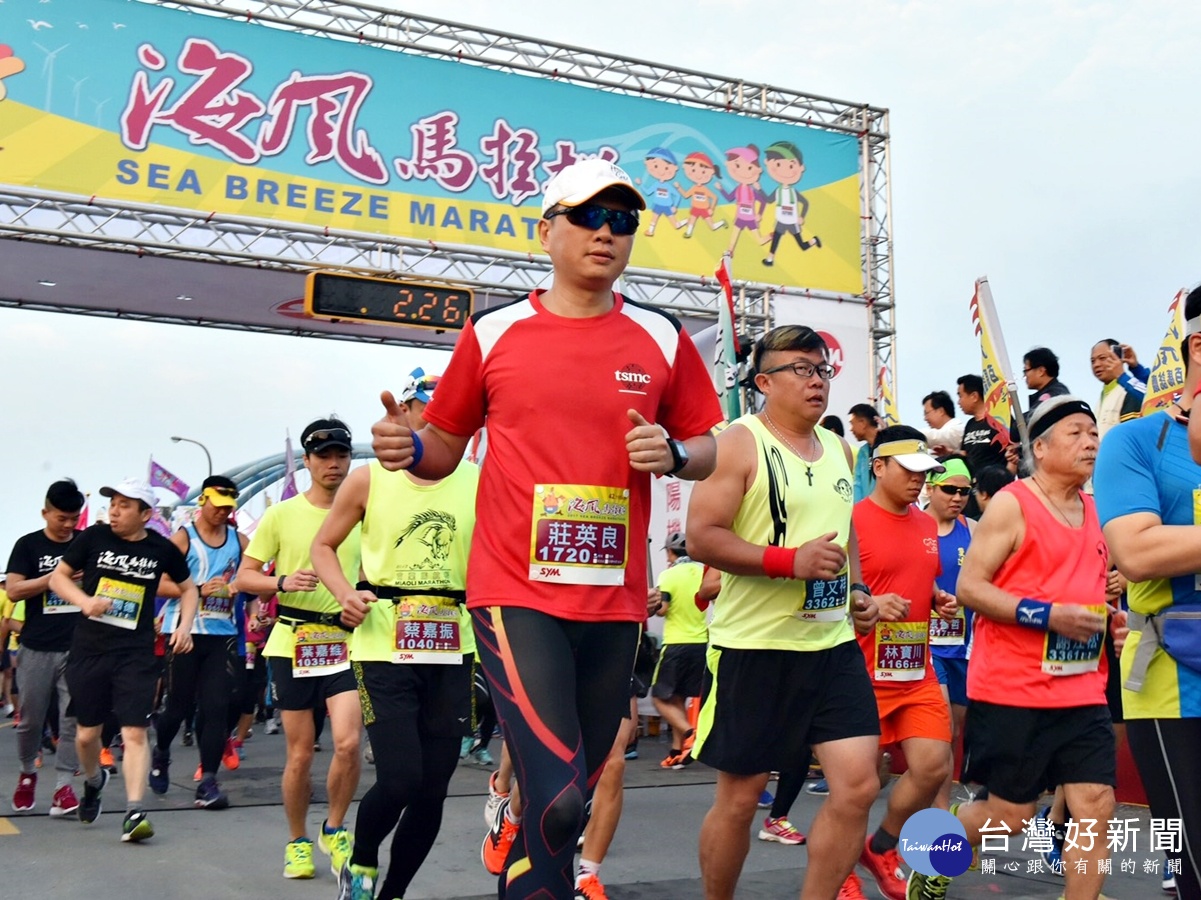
{"points": [[48, 67], [78, 83], [98, 105]]}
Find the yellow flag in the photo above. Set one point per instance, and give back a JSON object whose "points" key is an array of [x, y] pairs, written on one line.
{"points": [[888, 400], [994, 364], [1167, 374]]}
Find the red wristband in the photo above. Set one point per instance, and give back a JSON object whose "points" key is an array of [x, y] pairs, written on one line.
{"points": [[778, 562]]}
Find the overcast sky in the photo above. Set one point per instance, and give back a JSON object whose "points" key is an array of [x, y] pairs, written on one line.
{"points": [[1044, 144]]}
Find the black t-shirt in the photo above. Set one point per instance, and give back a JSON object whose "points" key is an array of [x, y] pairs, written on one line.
{"points": [[49, 619], [984, 443], [128, 573]]}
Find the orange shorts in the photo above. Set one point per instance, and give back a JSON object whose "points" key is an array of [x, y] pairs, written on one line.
{"points": [[917, 711]]}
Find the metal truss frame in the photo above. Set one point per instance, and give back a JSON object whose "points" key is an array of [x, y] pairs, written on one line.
{"points": [[38, 215]]}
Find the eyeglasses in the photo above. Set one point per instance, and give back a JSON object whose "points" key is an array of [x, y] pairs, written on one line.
{"points": [[805, 370], [224, 491], [950, 490], [621, 222], [329, 434]]}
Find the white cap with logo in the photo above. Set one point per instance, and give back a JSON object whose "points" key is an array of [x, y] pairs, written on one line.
{"points": [[581, 181], [134, 489]]}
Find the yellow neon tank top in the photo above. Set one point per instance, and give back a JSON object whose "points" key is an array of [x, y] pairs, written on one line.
{"points": [[789, 502], [415, 536]]}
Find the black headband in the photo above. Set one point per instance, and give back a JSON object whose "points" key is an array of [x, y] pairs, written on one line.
{"points": [[1062, 411]]}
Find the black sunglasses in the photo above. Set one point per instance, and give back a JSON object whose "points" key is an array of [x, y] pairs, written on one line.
{"points": [[950, 490], [332, 434], [224, 491], [621, 222]]}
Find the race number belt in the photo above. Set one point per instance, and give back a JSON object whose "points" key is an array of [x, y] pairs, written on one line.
{"points": [[580, 534], [901, 651]]}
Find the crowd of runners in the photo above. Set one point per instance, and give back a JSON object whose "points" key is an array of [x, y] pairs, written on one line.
{"points": [[938, 588]]}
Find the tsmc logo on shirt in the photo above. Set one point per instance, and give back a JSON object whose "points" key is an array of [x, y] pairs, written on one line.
{"points": [[632, 379]]}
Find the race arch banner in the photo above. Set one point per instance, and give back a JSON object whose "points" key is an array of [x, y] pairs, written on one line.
{"points": [[128, 101]]}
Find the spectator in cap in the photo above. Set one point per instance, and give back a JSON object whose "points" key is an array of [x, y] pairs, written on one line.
{"points": [[700, 170], [663, 196], [1124, 383], [786, 166]]}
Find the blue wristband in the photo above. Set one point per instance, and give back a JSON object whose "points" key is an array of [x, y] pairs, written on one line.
{"points": [[418, 451], [1033, 613]]}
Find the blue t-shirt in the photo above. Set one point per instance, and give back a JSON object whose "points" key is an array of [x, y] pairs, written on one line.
{"points": [[1144, 466]]}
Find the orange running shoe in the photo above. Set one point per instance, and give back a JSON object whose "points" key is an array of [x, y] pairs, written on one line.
{"points": [[107, 761], [590, 888], [851, 889], [230, 757], [199, 774], [886, 870], [498, 841]]}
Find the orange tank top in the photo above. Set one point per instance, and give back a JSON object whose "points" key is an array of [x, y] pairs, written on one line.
{"points": [[1013, 665]]}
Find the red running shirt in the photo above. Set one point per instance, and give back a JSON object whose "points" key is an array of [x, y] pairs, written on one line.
{"points": [[899, 555], [561, 516], [1012, 665]]}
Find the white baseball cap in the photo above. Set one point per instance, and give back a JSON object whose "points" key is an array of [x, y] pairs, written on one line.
{"points": [[581, 181], [134, 490], [912, 455]]}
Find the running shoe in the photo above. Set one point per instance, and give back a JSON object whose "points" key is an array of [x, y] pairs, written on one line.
{"points": [[199, 773], [160, 771], [65, 802], [886, 869], [851, 889], [766, 800], [632, 751], [590, 888], [1169, 883], [1053, 857], [781, 831], [229, 756], [27, 786], [136, 827], [495, 798], [820, 788], [498, 841], [675, 760], [689, 740], [89, 807], [465, 746], [188, 738], [272, 726], [357, 883], [210, 796], [481, 757], [337, 845], [926, 887], [9, 709], [298, 859], [107, 761]]}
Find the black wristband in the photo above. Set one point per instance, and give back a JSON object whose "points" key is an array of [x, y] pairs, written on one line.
{"points": [[280, 584], [861, 588]]}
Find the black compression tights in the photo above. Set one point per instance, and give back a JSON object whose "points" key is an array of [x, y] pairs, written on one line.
{"points": [[560, 689], [1165, 751]]}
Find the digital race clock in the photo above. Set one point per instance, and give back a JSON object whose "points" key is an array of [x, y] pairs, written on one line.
{"points": [[360, 298]]}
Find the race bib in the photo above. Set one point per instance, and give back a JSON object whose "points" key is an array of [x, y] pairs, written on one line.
{"points": [[661, 193], [320, 650], [901, 651], [944, 633], [53, 604], [216, 607], [580, 534], [746, 210], [1063, 656], [125, 603], [427, 633], [825, 600]]}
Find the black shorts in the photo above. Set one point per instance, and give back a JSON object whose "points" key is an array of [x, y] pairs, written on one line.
{"points": [[299, 694], [436, 699], [764, 709], [1019, 753], [680, 672], [121, 684]]}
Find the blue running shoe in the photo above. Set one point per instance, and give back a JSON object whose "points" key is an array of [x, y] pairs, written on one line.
{"points": [[820, 788], [766, 800], [1053, 857], [160, 771]]}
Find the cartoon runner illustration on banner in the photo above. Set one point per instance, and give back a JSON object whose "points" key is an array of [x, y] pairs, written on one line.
{"points": [[744, 167], [700, 170], [786, 166], [661, 195]]}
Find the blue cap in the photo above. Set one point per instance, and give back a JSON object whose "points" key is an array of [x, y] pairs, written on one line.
{"points": [[662, 153]]}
